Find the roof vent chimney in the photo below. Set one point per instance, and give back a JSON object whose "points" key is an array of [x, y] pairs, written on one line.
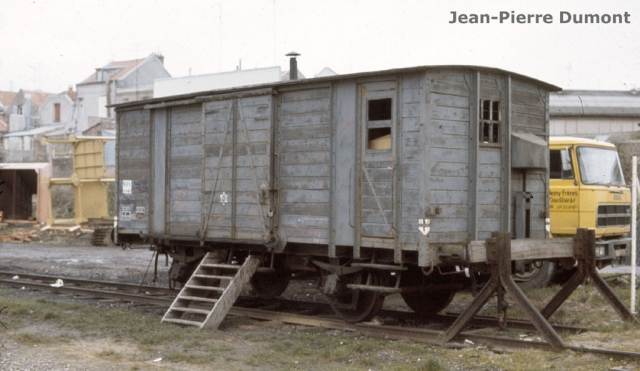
{"points": [[293, 66], [159, 56]]}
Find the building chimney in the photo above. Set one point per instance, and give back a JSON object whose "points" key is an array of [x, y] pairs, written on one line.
{"points": [[293, 66], [159, 56]]}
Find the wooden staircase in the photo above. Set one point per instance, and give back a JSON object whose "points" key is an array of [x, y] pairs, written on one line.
{"points": [[210, 292]]}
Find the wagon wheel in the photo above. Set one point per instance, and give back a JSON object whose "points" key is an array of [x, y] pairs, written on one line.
{"points": [[272, 283], [180, 274], [357, 305], [269, 285], [428, 301]]}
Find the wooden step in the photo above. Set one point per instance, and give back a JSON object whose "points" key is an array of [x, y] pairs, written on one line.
{"points": [[208, 288], [197, 298], [228, 294], [219, 266], [212, 277], [190, 310], [183, 321]]}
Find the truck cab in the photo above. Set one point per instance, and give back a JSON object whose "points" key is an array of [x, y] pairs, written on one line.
{"points": [[588, 190]]}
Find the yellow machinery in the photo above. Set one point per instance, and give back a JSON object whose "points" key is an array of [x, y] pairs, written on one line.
{"points": [[89, 180], [588, 191]]}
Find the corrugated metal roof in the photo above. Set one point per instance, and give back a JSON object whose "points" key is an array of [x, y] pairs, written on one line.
{"points": [[595, 103]]}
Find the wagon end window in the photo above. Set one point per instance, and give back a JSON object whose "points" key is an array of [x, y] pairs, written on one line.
{"points": [[490, 121], [379, 118]]}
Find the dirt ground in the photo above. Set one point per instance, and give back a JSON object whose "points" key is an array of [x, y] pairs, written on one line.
{"points": [[77, 258]]}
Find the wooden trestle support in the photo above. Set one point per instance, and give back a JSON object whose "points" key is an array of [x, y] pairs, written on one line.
{"points": [[498, 249]]}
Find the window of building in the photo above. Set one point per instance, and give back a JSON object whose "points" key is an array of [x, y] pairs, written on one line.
{"points": [[56, 113], [489, 121], [379, 118]]}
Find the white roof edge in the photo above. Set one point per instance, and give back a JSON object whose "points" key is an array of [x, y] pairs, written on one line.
{"points": [[24, 166]]}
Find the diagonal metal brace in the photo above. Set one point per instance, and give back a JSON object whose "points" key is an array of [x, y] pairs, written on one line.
{"points": [[499, 256], [585, 253]]}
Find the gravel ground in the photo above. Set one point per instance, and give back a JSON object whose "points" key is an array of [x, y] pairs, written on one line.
{"points": [[78, 259], [107, 263]]}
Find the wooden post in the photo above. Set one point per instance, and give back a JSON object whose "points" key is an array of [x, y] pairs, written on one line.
{"points": [[499, 257], [585, 252]]}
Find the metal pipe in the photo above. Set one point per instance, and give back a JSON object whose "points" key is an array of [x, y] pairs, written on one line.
{"points": [[634, 216], [293, 66]]}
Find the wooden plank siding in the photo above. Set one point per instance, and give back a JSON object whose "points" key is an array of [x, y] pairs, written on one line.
{"points": [[185, 170], [293, 159], [412, 160], [304, 165], [218, 174], [134, 136], [448, 184], [529, 105], [237, 168], [489, 191], [253, 168]]}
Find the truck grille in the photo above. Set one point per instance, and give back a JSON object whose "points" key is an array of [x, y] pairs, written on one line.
{"points": [[614, 215]]}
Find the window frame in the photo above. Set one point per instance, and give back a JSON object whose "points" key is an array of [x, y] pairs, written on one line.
{"points": [[379, 124], [493, 122]]}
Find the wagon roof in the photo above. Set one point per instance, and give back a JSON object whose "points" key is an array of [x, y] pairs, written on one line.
{"points": [[316, 80]]}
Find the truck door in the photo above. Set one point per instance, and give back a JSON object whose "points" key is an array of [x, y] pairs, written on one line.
{"points": [[564, 190]]}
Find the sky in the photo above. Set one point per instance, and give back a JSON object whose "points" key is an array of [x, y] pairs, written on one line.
{"points": [[50, 45]]}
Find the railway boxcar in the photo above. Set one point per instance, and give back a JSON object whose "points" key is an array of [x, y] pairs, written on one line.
{"points": [[376, 180]]}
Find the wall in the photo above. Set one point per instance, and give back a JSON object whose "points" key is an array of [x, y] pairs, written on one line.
{"points": [[47, 110], [88, 106], [590, 126], [144, 74]]}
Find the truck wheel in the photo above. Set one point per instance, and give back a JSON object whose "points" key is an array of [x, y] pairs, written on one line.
{"points": [[539, 276]]}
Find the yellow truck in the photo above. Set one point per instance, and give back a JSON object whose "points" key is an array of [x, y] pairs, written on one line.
{"points": [[587, 190]]}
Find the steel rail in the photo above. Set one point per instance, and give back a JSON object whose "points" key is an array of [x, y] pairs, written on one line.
{"points": [[82, 281]]}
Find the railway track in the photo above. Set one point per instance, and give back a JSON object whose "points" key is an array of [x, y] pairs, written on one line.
{"points": [[427, 330]]}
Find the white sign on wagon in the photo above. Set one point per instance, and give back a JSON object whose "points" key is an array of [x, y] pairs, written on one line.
{"points": [[126, 186]]}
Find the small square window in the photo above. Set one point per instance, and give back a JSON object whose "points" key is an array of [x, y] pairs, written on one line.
{"points": [[379, 138], [380, 109]]}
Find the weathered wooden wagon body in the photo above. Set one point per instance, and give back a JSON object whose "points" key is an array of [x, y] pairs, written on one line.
{"points": [[399, 167]]}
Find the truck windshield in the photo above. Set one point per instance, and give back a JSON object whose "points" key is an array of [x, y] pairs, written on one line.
{"points": [[599, 166]]}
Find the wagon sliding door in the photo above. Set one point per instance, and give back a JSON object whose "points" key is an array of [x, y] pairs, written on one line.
{"points": [[237, 169], [378, 163]]}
